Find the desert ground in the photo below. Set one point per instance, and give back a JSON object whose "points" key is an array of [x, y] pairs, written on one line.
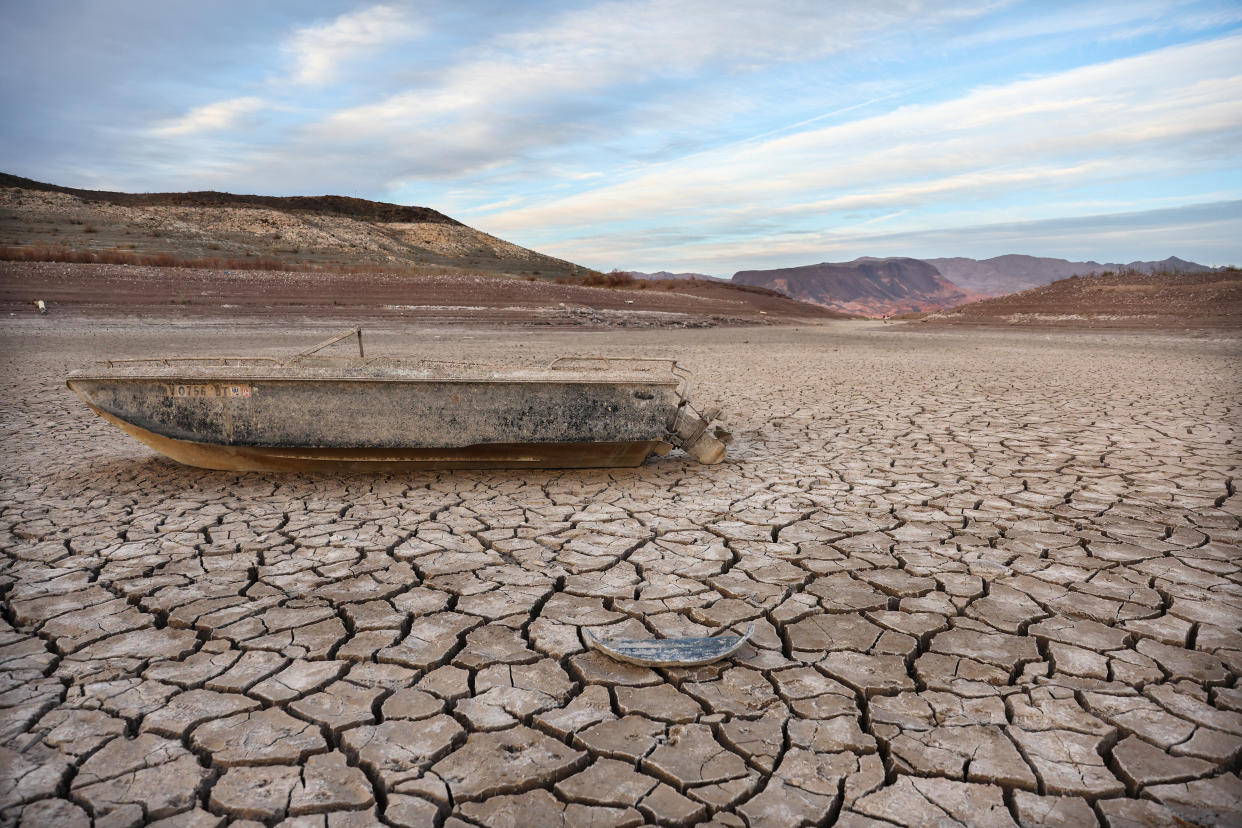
{"points": [[195, 295], [995, 578]]}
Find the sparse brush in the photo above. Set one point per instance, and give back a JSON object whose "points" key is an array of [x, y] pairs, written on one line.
{"points": [[118, 256], [615, 279]]}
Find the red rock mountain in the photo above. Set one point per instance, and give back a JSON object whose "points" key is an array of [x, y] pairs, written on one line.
{"points": [[865, 286]]}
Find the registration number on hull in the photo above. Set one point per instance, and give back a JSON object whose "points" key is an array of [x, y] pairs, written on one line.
{"points": [[207, 390]]}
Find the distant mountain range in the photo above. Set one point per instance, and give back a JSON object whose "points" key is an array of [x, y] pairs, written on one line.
{"points": [[1010, 274], [865, 286], [874, 286]]}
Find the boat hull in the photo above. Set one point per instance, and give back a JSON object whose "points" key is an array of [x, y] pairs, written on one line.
{"points": [[288, 424], [363, 459]]}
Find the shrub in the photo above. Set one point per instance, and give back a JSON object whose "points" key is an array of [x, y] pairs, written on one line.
{"points": [[119, 256]]}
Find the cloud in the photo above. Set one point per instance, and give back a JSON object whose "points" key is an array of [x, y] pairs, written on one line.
{"points": [[1209, 230], [1056, 22], [596, 126], [630, 79], [1170, 110], [318, 51], [211, 117], [622, 44]]}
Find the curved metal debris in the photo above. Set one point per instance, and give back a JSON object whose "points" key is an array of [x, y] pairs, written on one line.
{"points": [[670, 652]]}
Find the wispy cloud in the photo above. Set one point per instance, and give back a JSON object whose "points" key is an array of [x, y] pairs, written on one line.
{"points": [[211, 117], [1146, 234], [1063, 20], [1143, 115], [622, 44], [638, 133], [315, 56], [318, 51]]}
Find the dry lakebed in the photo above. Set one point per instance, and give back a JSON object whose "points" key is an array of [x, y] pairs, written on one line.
{"points": [[994, 576]]}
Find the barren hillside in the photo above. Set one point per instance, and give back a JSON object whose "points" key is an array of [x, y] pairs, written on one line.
{"points": [[1129, 299], [324, 230]]}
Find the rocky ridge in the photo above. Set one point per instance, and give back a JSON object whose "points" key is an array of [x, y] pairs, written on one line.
{"points": [[865, 286]]}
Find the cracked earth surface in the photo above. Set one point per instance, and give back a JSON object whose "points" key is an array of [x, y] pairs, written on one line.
{"points": [[994, 578]]}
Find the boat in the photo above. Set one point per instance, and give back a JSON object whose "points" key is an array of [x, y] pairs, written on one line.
{"points": [[669, 652], [313, 411]]}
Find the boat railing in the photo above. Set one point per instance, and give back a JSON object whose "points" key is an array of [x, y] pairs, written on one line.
{"points": [[683, 374], [332, 340], [685, 378], [217, 360]]}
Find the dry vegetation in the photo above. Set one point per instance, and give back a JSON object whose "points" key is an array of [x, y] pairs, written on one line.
{"points": [[119, 256], [616, 279]]}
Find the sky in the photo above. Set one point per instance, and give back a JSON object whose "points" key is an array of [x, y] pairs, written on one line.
{"points": [[688, 135]]}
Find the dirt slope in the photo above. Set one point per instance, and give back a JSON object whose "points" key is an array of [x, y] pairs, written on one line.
{"points": [[321, 230], [157, 292], [1130, 299]]}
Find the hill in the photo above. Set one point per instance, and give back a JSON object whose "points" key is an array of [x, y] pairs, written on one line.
{"points": [[1160, 300], [300, 230], [1012, 273], [865, 286]]}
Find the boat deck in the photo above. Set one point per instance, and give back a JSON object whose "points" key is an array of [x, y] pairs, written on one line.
{"points": [[391, 369]]}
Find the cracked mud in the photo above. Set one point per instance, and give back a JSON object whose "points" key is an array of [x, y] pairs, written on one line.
{"points": [[995, 579]]}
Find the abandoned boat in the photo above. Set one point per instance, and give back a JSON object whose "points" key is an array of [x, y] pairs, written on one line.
{"points": [[311, 411]]}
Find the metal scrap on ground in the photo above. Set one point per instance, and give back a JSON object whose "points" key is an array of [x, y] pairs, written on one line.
{"points": [[669, 652]]}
